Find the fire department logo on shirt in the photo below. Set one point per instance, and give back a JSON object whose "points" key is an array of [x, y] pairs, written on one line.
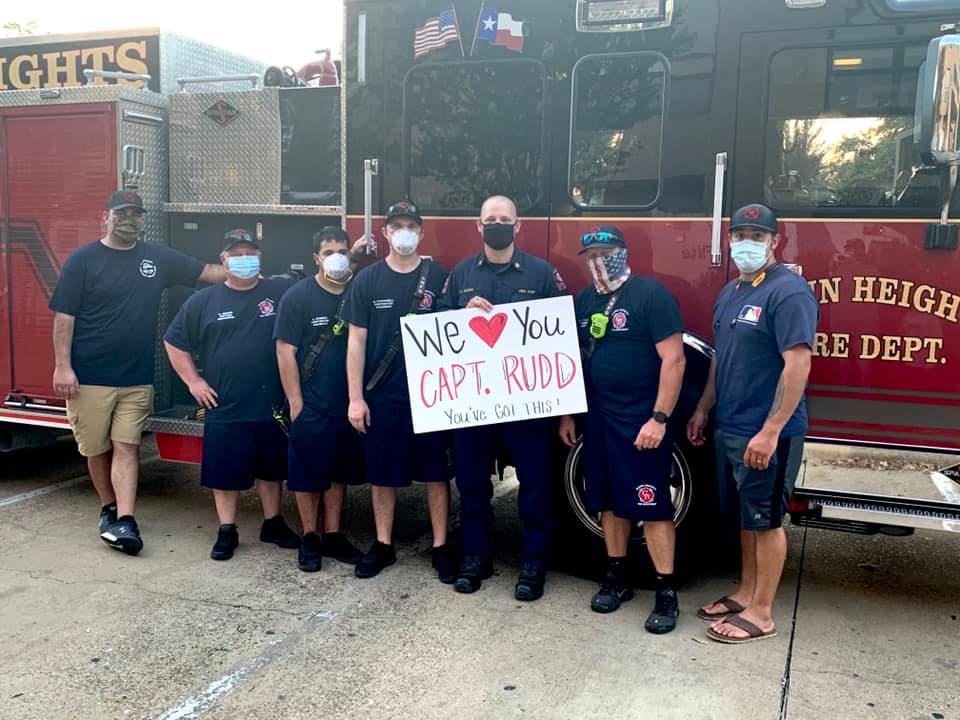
{"points": [[148, 268], [320, 321], [619, 320], [267, 308], [750, 314], [426, 302], [646, 495]]}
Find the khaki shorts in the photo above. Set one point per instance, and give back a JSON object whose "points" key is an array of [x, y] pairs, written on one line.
{"points": [[101, 415]]}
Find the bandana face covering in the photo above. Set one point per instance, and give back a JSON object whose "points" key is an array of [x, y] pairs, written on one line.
{"points": [[610, 272]]}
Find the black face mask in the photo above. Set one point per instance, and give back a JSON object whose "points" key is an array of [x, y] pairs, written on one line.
{"points": [[498, 235]]}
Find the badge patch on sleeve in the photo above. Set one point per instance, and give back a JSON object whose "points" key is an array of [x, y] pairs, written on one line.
{"points": [[750, 314]]}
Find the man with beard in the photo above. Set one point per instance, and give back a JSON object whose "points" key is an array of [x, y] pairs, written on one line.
{"points": [[104, 338], [324, 453], [502, 273]]}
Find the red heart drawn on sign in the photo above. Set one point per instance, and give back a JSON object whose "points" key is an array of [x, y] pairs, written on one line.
{"points": [[489, 330]]}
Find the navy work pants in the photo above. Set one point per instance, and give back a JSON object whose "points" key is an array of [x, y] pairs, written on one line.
{"points": [[530, 443]]}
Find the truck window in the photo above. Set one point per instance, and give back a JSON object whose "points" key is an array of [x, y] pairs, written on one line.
{"points": [[617, 130], [923, 5], [841, 130], [472, 130]]}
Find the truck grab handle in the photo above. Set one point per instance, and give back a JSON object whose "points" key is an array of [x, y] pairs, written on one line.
{"points": [[113, 75], [716, 256], [251, 78]]}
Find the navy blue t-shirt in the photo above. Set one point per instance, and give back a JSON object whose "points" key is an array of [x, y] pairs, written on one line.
{"points": [[753, 327], [231, 331], [306, 312], [525, 277], [624, 372], [114, 296], [376, 300]]}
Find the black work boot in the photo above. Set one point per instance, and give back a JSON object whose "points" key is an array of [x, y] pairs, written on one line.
{"points": [[530, 583], [227, 540], [473, 571], [309, 557]]}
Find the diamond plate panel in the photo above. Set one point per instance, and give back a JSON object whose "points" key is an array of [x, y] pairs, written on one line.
{"points": [[237, 163], [183, 57]]}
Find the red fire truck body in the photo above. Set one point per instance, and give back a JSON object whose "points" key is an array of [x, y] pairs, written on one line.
{"points": [[661, 116]]}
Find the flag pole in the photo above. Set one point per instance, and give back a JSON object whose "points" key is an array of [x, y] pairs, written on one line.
{"points": [[456, 20], [479, 20]]}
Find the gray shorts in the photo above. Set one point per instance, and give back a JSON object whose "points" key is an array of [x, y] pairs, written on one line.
{"points": [[760, 495]]}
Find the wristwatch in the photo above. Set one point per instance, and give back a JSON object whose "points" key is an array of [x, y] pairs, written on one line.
{"points": [[661, 417]]}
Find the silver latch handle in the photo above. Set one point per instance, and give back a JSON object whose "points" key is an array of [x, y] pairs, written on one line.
{"points": [[371, 167], [716, 256]]}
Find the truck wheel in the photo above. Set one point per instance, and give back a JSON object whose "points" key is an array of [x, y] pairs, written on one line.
{"points": [[682, 491]]}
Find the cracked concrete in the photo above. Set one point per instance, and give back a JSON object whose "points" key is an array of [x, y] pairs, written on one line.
{"points": [[90, 633]]}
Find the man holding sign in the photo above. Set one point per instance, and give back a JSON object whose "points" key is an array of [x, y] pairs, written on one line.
{"points": [[402, 284], [631, 332], [503, 274]]}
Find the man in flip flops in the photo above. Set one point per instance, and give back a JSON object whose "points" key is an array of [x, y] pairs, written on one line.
{"points": [[764, 324]]}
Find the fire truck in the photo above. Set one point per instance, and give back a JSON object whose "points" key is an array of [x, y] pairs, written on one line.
{"points": [[661, 116]]}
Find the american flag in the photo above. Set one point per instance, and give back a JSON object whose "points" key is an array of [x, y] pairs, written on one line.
{"points": [[436, 33]]}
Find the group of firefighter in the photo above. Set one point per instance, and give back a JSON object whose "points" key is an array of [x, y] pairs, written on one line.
{"points": [[329, 345]]}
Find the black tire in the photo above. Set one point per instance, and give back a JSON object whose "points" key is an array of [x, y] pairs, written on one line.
{"points": [[695, 512]]}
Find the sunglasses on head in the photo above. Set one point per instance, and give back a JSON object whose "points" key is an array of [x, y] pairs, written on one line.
{"points": [[601, 237], [239, 236]]}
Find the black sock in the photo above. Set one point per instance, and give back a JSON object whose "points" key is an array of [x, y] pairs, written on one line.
{"points": [[228, 526], [617, 566], [663, 581], [125, 517], [111, 506]]}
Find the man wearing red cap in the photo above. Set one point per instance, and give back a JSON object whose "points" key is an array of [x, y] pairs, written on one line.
{"points": [[764, 324]]}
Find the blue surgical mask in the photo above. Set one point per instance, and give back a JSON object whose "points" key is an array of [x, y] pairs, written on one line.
{"points": [[749, 255], [243, 267]]}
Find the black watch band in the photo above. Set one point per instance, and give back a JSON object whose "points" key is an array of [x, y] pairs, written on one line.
{"points": [[661, 417]]}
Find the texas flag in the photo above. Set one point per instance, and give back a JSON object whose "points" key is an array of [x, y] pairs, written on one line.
{"points": [[499, 28]]}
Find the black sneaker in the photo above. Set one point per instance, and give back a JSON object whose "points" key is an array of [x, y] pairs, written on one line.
{"points": [[444, 565], [530, 583], [377, 558], [276, 531], [123, 534], [613, 591], [227, 540], [336, 546], [108, 516], [663, 619], [309, 556], [473, 571]]}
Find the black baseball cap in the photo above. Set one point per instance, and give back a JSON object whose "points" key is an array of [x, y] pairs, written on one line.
{"points": [[125, 199], [602, 237], [403, 209], [237, 236], [755, 216]]}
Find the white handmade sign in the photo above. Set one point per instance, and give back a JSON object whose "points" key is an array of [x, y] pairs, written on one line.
{"points": [[467, 367]]}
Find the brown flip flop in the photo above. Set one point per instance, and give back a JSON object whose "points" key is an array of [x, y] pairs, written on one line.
{"points": [[755, 633], [733, 607]]}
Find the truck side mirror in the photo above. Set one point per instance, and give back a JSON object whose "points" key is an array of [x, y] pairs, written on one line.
{"points": [[938, 102]]}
